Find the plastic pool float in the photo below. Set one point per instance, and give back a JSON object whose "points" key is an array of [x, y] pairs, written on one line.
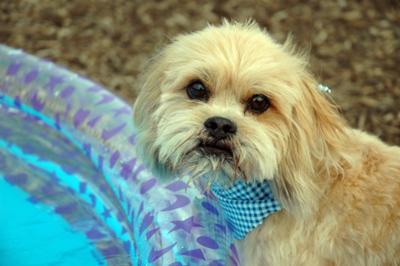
{"points": [[73, 192]]}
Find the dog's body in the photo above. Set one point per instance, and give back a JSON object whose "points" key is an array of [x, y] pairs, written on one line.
{"points": [[229, 99], [356, 221]]}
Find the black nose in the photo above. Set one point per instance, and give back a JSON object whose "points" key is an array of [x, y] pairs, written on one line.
{"points": [[219, 127]]}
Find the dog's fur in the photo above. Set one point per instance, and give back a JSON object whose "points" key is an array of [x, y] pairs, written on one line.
{"points": [[339, 187]]}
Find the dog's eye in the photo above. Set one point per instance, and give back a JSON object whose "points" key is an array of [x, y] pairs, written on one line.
{"points": [[258, 104], [197, 91]]}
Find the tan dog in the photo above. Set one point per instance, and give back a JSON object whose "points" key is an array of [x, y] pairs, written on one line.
{"points": [[230, 99]]}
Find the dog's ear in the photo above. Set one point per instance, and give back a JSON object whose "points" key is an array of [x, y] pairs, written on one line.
{"points": [[317, 132], [327, 123], [144, 108], [149, 93]]}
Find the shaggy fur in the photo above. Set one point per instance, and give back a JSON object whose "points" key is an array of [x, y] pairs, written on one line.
{"points": [[339, 187]]}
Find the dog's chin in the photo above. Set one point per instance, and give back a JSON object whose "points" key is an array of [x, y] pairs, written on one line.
{"points": [[210, 162]]}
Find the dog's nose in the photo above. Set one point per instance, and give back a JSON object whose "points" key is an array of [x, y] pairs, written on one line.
{"points": [[220, 127]]}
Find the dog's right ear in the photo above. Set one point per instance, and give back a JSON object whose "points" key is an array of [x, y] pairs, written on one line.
{"points": [[144, 108], [149, 92]]}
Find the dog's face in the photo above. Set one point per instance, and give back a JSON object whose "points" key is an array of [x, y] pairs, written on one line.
{"points": [[229, 100]]}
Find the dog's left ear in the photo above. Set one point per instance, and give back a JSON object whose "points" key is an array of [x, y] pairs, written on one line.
{"points": [[317, 132], [315, 112], [326, 124]]}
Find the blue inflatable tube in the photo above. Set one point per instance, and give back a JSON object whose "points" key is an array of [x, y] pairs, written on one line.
{"points": [[72, 190]]}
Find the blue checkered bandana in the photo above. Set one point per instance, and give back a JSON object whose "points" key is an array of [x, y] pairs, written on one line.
{"points": [[245, 205]]}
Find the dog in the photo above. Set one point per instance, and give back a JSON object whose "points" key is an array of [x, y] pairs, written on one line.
{"points": [[229, 99]]}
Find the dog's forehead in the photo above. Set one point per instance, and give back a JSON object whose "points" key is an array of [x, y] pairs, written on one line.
{"points": [[245, 60], [223, 50]]}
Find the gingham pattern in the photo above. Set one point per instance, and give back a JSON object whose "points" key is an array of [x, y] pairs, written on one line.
{"points": [[246, 205]]}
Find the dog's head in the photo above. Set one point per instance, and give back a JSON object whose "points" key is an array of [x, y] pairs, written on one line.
{"points": [[230, 99]]}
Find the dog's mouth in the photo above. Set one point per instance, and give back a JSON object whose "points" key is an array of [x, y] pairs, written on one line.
{"points": [[216, 149]]}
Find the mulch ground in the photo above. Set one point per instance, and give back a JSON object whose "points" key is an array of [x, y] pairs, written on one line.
{"points": [[354, 45]]}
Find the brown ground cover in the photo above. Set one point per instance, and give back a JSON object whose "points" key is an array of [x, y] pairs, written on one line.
{"points": [[354, 45]]}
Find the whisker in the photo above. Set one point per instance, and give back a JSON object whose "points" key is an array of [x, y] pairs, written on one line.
{"points": [[190, 180], [244, 174], [236, 168], [184, 142]]}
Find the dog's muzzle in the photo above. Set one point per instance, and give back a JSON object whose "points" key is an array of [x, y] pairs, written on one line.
{"points": [[219, 130], [215, 148], [219, 127]]}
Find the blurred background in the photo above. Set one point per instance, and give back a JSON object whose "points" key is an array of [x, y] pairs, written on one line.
{"points": [[354, 45]]}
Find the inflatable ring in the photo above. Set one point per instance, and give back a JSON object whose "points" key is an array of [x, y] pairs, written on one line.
{"points": [[72, 190]]}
